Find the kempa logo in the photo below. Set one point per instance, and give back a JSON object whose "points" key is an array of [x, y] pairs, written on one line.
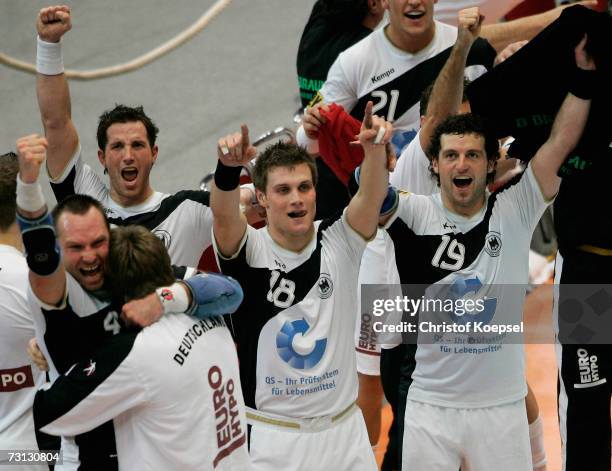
{"points": [[588, 370], [376, 78]]}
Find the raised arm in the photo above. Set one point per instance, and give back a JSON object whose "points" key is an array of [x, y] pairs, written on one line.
{"points": [[234, 151], [52, 88], [202, 295], [448, 88], [364, 208], [568, 126], [47, 276], [501, 35]]}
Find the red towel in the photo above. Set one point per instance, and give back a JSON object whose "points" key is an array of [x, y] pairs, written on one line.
{"points": [[334, 137]]}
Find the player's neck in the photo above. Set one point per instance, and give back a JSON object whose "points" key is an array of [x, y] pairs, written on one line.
{"points": [[128, 201], [12, 237], [409, 43], [466, 211], [293, 243]]}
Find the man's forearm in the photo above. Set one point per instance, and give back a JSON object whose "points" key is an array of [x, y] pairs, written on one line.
{"points": [[53, 100], [569, 124], [448, 88], [55, 110], [501, 35]]}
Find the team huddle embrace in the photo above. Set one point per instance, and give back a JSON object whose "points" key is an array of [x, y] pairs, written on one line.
{"points": [[141, 352]]}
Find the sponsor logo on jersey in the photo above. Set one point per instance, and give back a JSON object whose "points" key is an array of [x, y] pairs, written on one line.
{"points": [[14, 379], [325, 286], [387, 73], [493, 243], [459, 290], [367, 335], [164, 236], [166, 295], [448, 225], [588, 370], [193, 334], [287, 352], [90, 369], [229, 430]]}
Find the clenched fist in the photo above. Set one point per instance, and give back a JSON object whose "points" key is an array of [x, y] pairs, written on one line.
{"points": [[31, 150], [469, 24], [53, 22]]}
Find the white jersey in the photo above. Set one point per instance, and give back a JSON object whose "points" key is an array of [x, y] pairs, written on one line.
{"points": [[374, 69], [172, 391], [294, 327], [493, 10], [66, 334], [490, 248], [412, 171], [378, 262], [182, 221], [19, 377]]}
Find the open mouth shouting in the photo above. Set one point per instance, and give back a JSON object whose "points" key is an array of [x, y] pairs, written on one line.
{"points": [[91, 271], [462, 182], [297, 214], [129, 174], [414, 15]]}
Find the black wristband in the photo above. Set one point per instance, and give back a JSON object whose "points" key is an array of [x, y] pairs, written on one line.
{"points": [[582, 83], [227, 178]]}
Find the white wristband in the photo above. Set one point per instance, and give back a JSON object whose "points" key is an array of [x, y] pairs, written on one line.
{"points": [[311, 145], [49, 58], [174, 298], [29, 196]]}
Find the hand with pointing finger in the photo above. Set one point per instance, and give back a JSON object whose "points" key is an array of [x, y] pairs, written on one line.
{"points": [[235, 150], [375, 132]]}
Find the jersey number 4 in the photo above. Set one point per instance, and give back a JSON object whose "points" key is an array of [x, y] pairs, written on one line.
{"points": [[281, 294], [454, 250], [111, 323]]}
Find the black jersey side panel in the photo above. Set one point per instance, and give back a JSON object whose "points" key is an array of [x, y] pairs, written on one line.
{"points": [[413, 82]]}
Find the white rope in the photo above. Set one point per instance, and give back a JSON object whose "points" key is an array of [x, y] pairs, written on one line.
{"points": [[139, 61]]}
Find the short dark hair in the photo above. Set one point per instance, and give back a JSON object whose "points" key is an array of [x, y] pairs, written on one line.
{"points": [[9, 167], [281, 154], [345, 13], [426, 95], [464, 124], [138, 263], [77, 204], [125, 114]]}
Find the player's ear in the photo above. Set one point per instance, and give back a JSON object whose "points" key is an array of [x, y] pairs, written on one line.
{"points": [[491, 165], [102, 160], [154, 155], [261, 198], [434, 165]]}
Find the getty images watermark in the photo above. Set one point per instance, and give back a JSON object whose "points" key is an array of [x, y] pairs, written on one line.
{"points": [[467, 312]]}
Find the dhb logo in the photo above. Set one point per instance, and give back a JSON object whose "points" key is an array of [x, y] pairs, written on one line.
{"points": [[286, 350], [459, 289]]}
